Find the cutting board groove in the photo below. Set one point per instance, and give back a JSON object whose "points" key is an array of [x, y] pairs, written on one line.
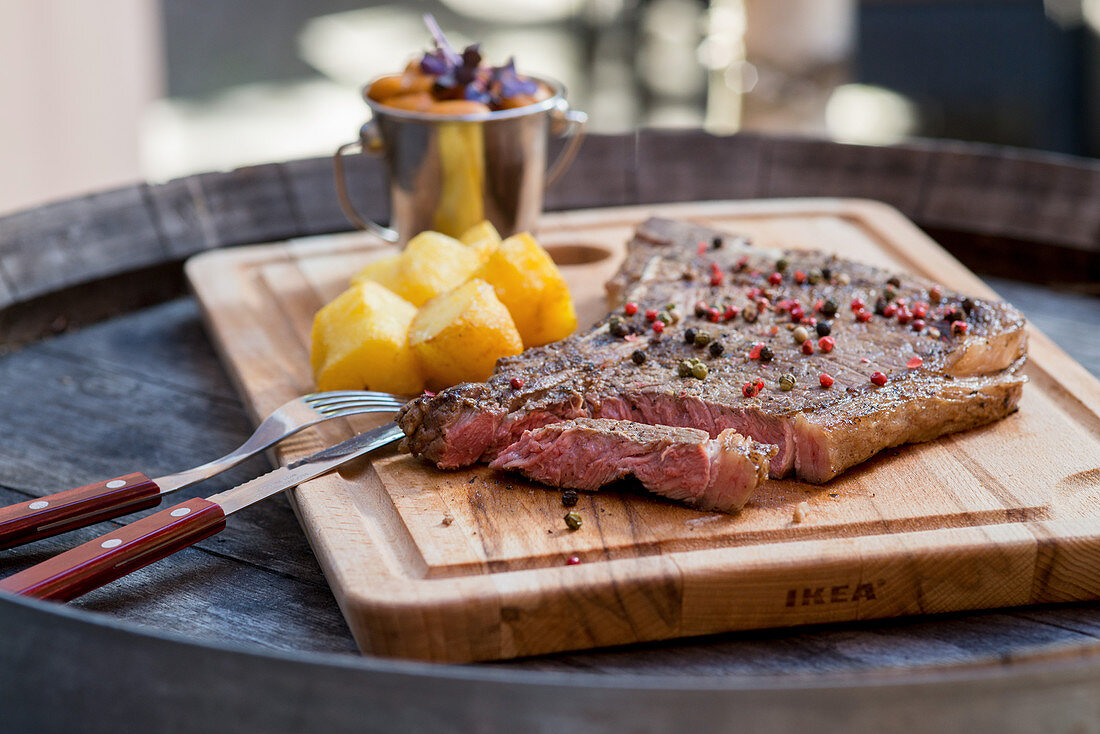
{"points": [[472, 564]]}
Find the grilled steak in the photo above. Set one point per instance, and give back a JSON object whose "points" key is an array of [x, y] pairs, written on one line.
{"points": [[904, 359], [683, 464]]}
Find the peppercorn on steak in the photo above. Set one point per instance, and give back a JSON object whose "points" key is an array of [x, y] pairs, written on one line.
{"points": [[827, 359]]}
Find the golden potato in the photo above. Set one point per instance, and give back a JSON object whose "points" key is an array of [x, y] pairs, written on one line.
{"points": [[432, 263], [360, 340], [383, 271], [527, 281], [460, 335], [483, 238]]}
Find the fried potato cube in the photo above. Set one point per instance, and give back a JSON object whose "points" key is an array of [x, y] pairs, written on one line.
{"points": [[483, 238], [527, 281], [432, 263], [383, 271], [360, 340], [460, 335]]}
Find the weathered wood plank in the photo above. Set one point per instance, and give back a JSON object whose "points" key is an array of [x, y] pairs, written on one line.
{"points": [[1002, 191], [691, 165], [602, 174], [313, 191], [186, 224], [77, 241], [249, 205], [894, 175]]}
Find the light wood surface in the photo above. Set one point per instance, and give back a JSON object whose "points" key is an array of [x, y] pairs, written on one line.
{"points": [[1000, 516]]}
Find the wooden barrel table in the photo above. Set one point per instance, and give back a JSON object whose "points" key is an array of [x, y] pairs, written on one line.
{"points": [[105, 368]]}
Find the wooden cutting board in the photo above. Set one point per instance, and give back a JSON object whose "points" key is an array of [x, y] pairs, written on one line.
{"points": [[472, 565]]}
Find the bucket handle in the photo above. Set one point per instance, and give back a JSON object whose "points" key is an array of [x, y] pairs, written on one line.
{"points": [[368, 142], [570, 124]]}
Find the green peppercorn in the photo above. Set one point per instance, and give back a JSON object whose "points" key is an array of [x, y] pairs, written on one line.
{"points": [[816, 277], [766, 353], [699, 371], [683, 369], [702, 339], [800, 335], [638, 356], [675, 315], [748, 313], [618, 328], [786, 381], [829, 308], [664, 318], [716, 349], [573, 520], [890, 293], [781, 264]]}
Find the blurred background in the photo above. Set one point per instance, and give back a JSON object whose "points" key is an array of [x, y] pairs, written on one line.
{"points": [[98, 94]]}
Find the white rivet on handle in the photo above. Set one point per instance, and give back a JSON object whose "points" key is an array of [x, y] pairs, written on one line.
{"points": [[180, 511], [115, 483], [112, 543], [38, 505]]}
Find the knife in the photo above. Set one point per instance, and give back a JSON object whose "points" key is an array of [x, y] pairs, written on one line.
{"points": [[128, 548]]}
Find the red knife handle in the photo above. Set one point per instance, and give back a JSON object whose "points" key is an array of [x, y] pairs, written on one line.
{"points": [[122, 551], [76, 508]]}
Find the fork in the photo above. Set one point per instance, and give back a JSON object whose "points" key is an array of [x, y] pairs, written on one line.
{"points": [[77, 508]]}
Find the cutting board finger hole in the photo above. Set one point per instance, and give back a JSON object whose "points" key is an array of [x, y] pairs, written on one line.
{"points": [[577, 253]]}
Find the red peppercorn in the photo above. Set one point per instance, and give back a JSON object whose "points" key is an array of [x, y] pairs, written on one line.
{"points": [[878, 378], [825, 379], [630, 308], [889, 311], [775, 278], [748, 390], [808, 347], [716, 279], [701, 248], [731, 313], [754, 353], [918, 325], [714, 315], [958, 328], [742, 263], [920, 310], [904, 315], [819, 305], [914, 362], [858, 304], [759, 384], [517, 383], [651, 314], [935, 293], [797, 313], [773, 330], [863, 316], [429, 394], [799, 277], [826, 343], [658, 326], [573, 561]]}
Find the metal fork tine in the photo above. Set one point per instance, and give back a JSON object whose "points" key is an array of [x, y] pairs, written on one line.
{"points": [[337, 404], [354, 399], [336, 394], [338, 409]]}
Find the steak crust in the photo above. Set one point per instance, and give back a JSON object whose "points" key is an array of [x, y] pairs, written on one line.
{"points": [[961, 370]]}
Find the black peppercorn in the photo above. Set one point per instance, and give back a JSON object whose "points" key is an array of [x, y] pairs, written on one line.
{"points": [[827, 273], [880, 306], [716, 243], [823, 328], [689, 336], [829, 308], [766, 353], [894, 281], [716, 349], [968, 305], [570, 498], [619, 329], [638, 356]]}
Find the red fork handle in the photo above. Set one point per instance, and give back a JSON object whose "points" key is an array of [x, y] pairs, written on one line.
{"points": [[122, 551], [76, 508]]}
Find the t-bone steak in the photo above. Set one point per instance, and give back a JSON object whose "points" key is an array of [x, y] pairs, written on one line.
{"points": [[888, 358], [683, 464]]}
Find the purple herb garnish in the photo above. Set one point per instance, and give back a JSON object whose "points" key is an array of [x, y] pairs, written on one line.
{"points": [[509, 84]]}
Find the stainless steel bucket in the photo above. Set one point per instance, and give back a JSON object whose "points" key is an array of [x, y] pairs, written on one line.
{"points": [[449, 172]]}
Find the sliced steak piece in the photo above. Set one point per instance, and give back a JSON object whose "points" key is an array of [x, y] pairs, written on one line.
{"points": [[958, 368], [683, 464]]}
